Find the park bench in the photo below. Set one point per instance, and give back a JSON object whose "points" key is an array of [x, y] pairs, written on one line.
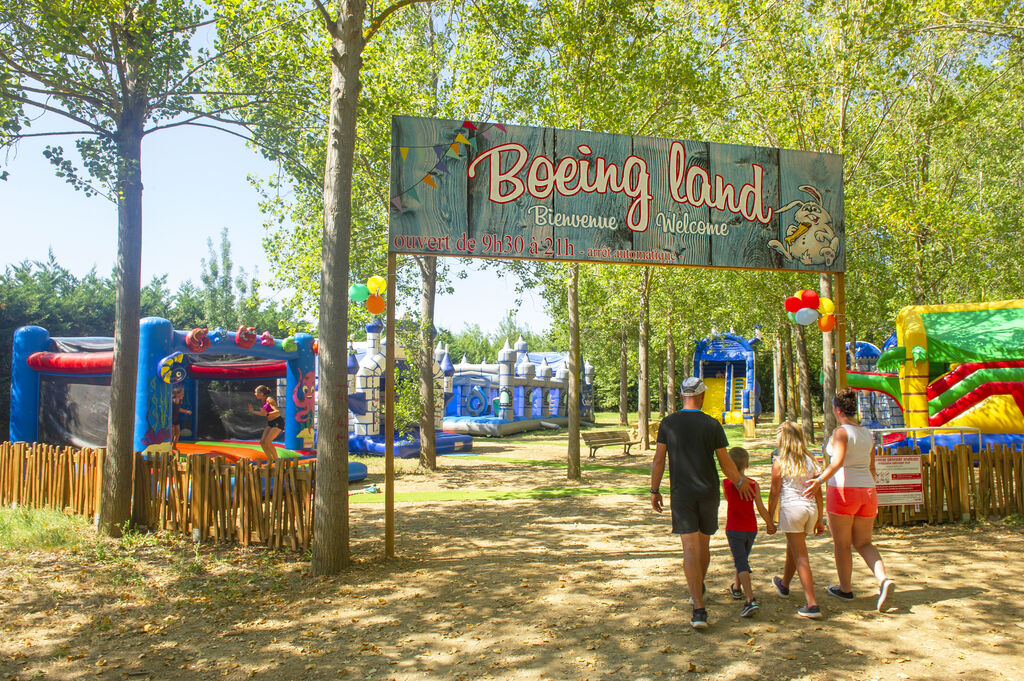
{"points": [[604, 438]]}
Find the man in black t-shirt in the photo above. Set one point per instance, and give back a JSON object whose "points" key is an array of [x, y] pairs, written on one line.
{"points": [[692, 440]]}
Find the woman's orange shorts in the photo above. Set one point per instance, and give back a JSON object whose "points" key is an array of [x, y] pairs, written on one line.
{"points": [[859, 501]]}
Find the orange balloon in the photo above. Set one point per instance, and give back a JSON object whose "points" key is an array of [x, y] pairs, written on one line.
{"points": [[826, 323], [375, 304]]}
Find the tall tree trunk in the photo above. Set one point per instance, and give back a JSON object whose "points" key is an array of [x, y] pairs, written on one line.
{"points": [[574, 471], [806, 414], [670, 358], [661, 388], [623, 379], [330, 506], [778, 380], [643, 416], [428, 292], [428, 437], [116, 497], [828, 360], [789, 369]]}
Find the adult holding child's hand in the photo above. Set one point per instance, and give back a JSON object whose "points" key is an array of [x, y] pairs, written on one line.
{"points": [[851, 501], [690, 441]]}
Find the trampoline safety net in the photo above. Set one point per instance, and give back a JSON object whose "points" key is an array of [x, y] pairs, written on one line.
{"points": [[73, 410], [224, 409]]}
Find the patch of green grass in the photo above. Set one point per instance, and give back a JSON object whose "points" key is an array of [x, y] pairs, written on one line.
{"points": [[1015, 519], [29, 529]]}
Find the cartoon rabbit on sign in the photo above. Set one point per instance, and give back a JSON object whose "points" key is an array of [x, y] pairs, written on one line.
{"points": [[811, 239]]}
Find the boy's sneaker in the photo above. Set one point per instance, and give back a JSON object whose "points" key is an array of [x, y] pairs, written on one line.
{"points": [[812, 611], [780, 587], [749, 609], [837, 591], [735, 593], [699, 618], [884, 591]]}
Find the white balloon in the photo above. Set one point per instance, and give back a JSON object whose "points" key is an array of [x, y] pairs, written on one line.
{"points": [[806, 316]]}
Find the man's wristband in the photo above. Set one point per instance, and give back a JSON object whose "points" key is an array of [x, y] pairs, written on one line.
{"points": [[654, 491]]}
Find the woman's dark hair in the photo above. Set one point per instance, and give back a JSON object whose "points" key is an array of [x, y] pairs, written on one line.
{"points": [[263, 390], [846, 401]]}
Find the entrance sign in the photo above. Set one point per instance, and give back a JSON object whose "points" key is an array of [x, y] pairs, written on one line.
{"points": [[503, 191], [899, 480]]}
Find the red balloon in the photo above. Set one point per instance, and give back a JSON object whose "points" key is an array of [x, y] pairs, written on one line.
{"points": [[826, 323], [375, 304], [793, 304], [810, 299]]}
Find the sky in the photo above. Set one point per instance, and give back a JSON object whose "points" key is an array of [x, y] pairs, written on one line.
{"points": [[195, 184]]}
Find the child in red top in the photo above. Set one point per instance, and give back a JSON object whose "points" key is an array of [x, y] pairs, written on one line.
{"points": [[741, 529]]}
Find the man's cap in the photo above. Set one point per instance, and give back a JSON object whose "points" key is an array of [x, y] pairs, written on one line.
{"points": [[692, 387]]}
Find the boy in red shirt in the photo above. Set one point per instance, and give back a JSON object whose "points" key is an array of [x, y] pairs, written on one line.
{"points": [[741, 529]]}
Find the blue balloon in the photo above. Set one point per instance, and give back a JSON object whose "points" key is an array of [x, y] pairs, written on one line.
{"points": [[806, 316]]}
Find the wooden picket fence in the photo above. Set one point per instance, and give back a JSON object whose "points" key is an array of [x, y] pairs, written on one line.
{"points": [[961, 485], [203, 498], [44, 476], [208, 499]]}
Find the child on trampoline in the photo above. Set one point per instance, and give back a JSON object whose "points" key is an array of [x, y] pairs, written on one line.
{"points": [[177, 395], [275, 422]]}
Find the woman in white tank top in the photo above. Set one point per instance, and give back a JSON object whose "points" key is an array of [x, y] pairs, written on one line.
{"points": [[851, 501]]}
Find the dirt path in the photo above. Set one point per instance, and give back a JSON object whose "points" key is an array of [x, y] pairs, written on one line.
{"points": [[578, 587]]}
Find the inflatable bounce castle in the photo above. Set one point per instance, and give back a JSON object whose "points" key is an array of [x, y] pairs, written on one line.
{"points": [[878, 396], [959, 365], [521, 392], [366, 385], [726, 364], [60, 388]]}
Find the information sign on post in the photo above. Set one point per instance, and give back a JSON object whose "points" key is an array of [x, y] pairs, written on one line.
{"points": [[468, 188], [898, 480]]}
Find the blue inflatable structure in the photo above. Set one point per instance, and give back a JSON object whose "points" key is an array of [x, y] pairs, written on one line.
{"points": [[726, 363]]}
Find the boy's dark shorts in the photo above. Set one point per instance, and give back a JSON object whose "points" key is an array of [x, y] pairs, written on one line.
{"points": [[694, 514]]}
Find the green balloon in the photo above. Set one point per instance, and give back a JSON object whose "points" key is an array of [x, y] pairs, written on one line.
{"points": [[358, 292], [792, 316]]}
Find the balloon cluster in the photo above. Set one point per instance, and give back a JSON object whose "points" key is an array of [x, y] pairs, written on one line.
{"points": [[805, 308], [372, 293]]}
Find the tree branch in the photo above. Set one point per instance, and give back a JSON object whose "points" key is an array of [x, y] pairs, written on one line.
{"points": [[310, 176], [330, 23], [99, 130], [376, 23], [22, 136], [201, 65]]}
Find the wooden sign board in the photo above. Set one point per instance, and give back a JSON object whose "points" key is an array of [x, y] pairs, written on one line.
{"points": [[501, 191]]}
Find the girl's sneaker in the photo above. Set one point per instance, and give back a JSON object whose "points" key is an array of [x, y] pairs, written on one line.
{"points": [[811, 611], [780, 587], [884, 591], [837, 591], [749, 609], [735, 593]]}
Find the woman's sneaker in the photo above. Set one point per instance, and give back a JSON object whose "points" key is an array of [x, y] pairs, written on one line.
{"points": [[699, 618], [812, 611], [837, 591], [884, 591], [780, 587], [749, 609], [735, 593]]}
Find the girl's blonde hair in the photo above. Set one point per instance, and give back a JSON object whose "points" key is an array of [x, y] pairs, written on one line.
{"points": [[793, 455]]}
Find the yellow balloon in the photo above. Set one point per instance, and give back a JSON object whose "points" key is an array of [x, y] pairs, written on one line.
{"points": [[377, 285], [826, 306]]}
